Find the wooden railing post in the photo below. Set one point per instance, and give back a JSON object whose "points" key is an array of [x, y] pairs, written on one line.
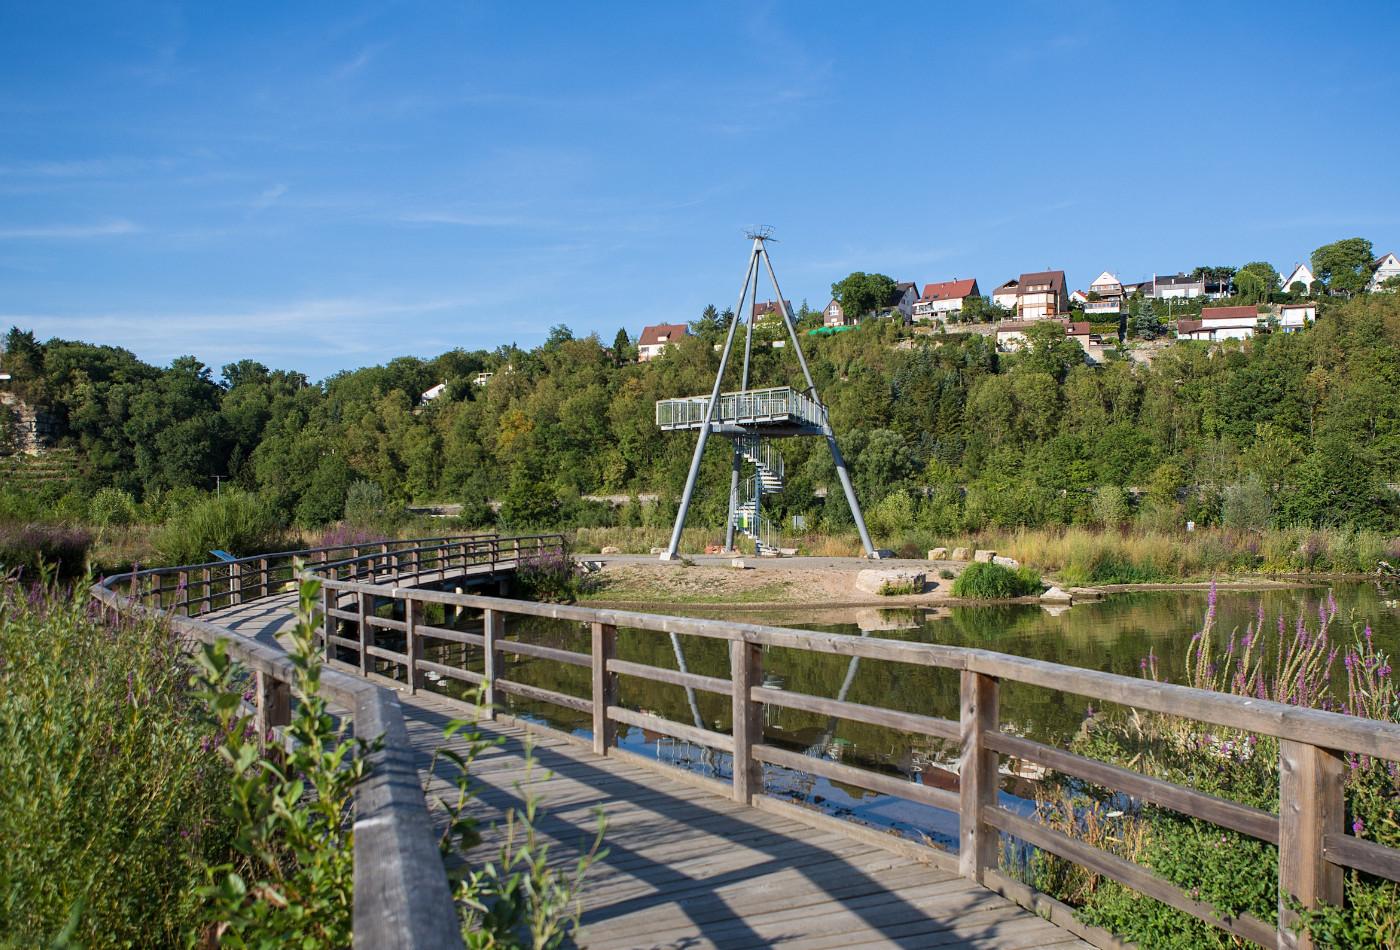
{"points": [[1311, 805], [235, 583], [273, 706], [208, 588], [494, 629], [413, 616], [330, 626], [366, 602], [266, 578], [978, 842], [182, 598], [746, 672], [604, 687]]}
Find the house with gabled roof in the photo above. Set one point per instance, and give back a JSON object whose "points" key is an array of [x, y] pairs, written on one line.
{"points": [[1220, 323], [1041, 295], [901, 300], [1301, 274], [1387, 267], [1107, 286], [835, 316], [654, 340], [768, 310], [939, 301], [1005, 295]]}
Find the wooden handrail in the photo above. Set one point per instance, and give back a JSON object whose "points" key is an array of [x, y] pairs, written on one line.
{"points": [[402, 898], [1314, 848]]}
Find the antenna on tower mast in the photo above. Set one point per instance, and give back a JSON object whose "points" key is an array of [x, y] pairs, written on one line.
{"points": [[759, 232]]}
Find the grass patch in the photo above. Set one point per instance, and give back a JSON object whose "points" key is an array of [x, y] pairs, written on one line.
{"points": [[995, 582]]}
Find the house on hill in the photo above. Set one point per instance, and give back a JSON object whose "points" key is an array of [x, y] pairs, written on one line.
{"points": [[1301, 274], [1107, 286], [1041, 295], [1005, 295], [939, 301], [1386, 268], [1293, 317], [901, 300], [768, 310], [1220, 323], [655, 339], [834, 316], [1177, 286]]}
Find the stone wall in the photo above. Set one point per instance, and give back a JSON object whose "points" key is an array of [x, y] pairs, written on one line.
{"points": [[35, 430]]}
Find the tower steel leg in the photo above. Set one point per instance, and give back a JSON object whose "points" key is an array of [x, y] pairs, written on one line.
{"points": [[690, 479]]}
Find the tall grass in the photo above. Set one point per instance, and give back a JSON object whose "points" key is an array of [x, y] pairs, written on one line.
{"points": [[111, 785], [34, 547], [237, 522]]}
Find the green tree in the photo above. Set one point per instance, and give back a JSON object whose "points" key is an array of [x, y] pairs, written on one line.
{"points": [[1256, 281], [1344, 266], [1050, 351], [712, 325], [861, 294], [622, 346]]}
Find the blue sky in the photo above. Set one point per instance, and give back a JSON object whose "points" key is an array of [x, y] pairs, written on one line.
{"points": [[321, 186]]}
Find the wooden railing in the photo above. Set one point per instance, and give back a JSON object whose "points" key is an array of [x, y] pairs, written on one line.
{"points": [[402, 900], [196, 589], [1314, 846]]}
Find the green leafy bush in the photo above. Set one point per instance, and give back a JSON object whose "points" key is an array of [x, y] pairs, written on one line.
{"points": [[110, 806], [237, 522], [995, 582]]}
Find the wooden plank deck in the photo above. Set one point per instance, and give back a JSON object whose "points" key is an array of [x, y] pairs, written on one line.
{"points": [[688, 868]]}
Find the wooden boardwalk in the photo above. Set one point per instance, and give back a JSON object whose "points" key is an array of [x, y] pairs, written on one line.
{"points": [[687, 867]]}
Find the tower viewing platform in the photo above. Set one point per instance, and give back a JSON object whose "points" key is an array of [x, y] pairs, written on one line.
{"points": [[779, 406]]}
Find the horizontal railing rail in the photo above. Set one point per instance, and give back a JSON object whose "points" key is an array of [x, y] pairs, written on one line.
{"points": [[1314, 846], [778, 404]]}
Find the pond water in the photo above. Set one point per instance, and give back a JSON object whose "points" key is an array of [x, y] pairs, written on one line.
{"points": [[1115, 635]]}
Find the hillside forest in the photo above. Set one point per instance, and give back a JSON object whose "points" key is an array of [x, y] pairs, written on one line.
{"points": [[941, 431]]}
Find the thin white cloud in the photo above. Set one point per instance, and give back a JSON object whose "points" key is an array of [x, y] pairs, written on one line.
{"points": [[71, 231], [270, 195]]}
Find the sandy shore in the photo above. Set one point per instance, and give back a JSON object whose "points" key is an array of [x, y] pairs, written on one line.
{"points": [[644, 582]]}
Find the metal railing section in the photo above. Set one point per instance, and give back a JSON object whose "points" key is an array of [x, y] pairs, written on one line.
{"points": [[753, 407]]}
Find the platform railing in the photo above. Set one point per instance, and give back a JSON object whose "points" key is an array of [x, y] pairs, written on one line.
{"points": [[752, 407], [1314, 846]]}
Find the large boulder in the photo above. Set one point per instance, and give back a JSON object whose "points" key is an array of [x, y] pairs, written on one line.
{"points": [[938, 554], [610, 549], [1010, 562], [873, 582], [1081, 594], [984, 557], [1057, 595], [961, 554]]}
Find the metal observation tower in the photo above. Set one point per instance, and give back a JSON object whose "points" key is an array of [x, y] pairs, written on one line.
{"points": [[750, 418]]}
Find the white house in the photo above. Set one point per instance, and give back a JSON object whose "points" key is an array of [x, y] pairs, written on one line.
{"points": [[941, 300], [901, 301], [431, 394], [1177, 286], [1079, 297], [1107, 286], [1295, 316], [1005, 295], [1220, 323], [1386, 268], [1011, 334], [655, 339], [482, 378], [1299, 275]]}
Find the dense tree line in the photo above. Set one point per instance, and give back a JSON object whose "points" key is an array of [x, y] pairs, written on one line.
{"points": [[1301, 427]]}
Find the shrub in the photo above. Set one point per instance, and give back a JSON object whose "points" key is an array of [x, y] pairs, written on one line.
{"points": [[237, 522], [995, 582], [364, 504], [112, 790], [112, 506], [550, 574], [1247, 506], [62, 550]]}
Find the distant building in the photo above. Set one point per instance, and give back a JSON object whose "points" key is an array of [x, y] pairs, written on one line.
{"points": [[1301, 274], [1041, 295], [482, 378], [834, 316], [1386, 268], [1079, 297], [1107, 286], [768, 310], [1103, 307], [1005, 295], [1220, 323], [655, 339], [1295, 316], [1011, 334], [1177, 287], [1092, 343], [901, 300], [1143, 287], [431, 394], [939, 301]]}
